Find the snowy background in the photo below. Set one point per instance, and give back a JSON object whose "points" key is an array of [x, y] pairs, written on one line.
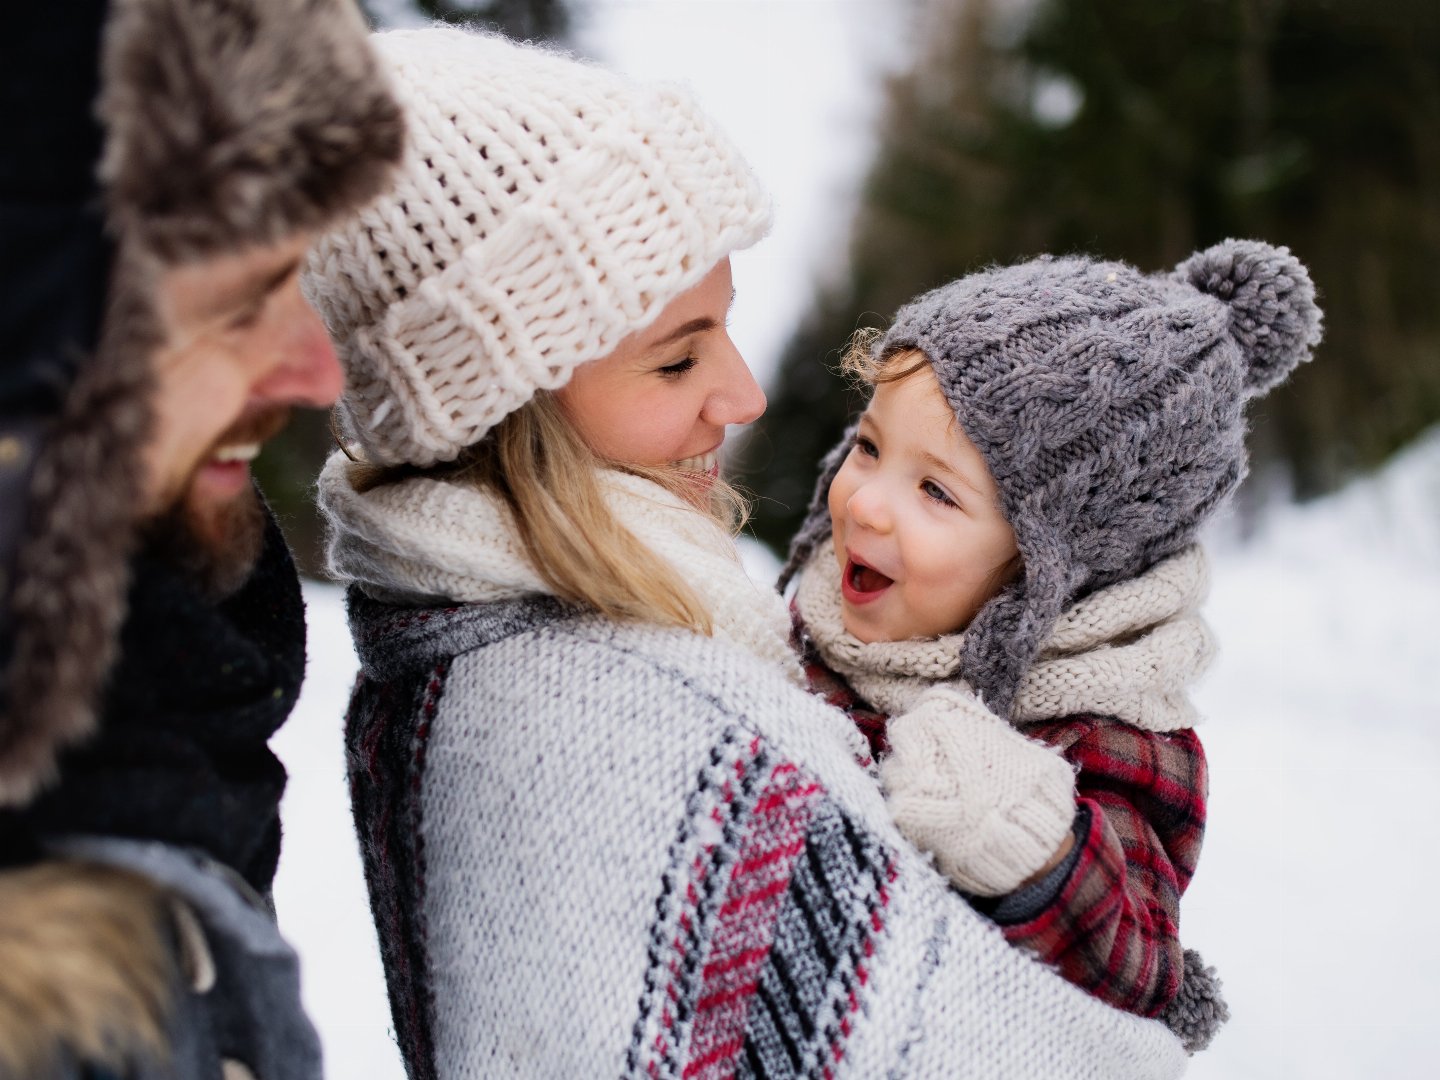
{"points": [[1323, 730]]}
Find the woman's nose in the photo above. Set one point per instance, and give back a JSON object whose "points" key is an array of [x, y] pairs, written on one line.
{"points": [[738, 398]]}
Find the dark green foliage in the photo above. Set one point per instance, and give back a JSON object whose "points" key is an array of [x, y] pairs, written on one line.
{"points": [[286, 471], [1302, 122]]}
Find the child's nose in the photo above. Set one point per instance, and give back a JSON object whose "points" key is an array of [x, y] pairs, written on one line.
{"points": [[869, 508]]}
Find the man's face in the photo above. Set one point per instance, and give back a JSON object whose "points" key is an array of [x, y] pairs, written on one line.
{"points": [[241, 347]]}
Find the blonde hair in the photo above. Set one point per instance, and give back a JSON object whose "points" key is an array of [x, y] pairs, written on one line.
{"points": [[538, 464], [863, 366]]}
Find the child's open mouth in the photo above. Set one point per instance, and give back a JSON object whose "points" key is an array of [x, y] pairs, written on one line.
{"points": [[860, 583]]}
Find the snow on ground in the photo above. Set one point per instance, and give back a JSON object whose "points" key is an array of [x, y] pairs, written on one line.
{"points": [[319, 889], [1324, 740], [1324, 744]]}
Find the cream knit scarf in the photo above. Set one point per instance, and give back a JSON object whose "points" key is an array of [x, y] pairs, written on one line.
{"points": [[424, 540], [1128, 651]]}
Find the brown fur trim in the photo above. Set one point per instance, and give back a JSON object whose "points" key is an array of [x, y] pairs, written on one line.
{"points": [[71, 576], [86, 969], [232, 123], [229, 123]]}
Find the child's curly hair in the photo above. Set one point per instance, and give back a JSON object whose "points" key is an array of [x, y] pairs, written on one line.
{"points": [[861, 364]]}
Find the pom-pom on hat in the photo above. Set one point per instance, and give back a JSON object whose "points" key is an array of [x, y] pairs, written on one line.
{"points": [[546, 209], [1108, 405]]}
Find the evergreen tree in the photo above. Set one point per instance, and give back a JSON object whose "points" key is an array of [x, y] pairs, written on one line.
{"points": [[1144, 131]]}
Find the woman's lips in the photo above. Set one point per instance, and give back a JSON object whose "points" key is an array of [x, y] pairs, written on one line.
{"points": [[860, 584], [699, 474], [707, 464]]}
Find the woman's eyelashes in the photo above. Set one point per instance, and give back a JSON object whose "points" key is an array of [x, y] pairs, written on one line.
{"points": [[679, 367], [866, 446]]}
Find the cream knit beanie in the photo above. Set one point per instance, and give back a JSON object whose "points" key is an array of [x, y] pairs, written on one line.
{"points": [[545, 209]]}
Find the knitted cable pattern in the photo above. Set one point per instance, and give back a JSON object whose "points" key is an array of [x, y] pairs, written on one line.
{"points": [[991, 805], [544, 210]]}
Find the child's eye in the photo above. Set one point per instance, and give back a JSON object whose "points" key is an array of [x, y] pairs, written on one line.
{"points": [[934, 491], [680, 367], [865, 446]]}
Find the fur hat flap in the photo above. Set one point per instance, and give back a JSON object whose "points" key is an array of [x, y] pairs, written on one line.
{"points": [[228, 124]]}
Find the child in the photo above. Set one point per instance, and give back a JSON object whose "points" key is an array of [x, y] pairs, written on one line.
{"points": [[1001, 559]]}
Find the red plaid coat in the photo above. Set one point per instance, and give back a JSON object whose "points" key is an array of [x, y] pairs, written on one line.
{"points": [[1112, 928]]}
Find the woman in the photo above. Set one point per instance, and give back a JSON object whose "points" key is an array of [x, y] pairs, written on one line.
{"points": [[605, 829]]}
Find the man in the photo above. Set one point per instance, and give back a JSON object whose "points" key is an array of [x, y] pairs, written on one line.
{"points": [[152, 337]]}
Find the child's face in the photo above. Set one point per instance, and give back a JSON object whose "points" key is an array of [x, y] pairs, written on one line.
{"points": [[918, 531]]}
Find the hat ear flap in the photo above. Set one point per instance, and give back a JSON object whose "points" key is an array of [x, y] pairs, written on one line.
{"points": [[1273, 314], [1005, 635], [815, 530]]}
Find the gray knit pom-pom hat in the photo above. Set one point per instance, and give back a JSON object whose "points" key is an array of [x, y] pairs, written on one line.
{"points": [[1108, 405]]}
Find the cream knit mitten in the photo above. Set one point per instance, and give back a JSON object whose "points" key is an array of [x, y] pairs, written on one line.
{"points": [[989, 804]]}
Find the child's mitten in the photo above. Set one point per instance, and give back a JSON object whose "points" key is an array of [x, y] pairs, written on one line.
{"points": [[992, 806]]}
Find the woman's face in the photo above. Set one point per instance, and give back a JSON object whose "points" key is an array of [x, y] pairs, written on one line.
{"points": [[666, 394]]}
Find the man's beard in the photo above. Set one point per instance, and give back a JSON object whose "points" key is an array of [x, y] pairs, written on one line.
{"points": [[216, 543], [215, 547]]}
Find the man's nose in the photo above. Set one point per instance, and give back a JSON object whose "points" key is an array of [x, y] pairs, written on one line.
{"points": [[307, 371]]}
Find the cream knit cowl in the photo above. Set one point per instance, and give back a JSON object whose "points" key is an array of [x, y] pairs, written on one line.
{"points": [[425, 541], [1130, 651], [990, 804]]}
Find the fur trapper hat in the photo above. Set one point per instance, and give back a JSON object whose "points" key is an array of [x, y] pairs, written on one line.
{"points": [[226, 124], [239, 122], [1108, 406], [546, 209]]}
